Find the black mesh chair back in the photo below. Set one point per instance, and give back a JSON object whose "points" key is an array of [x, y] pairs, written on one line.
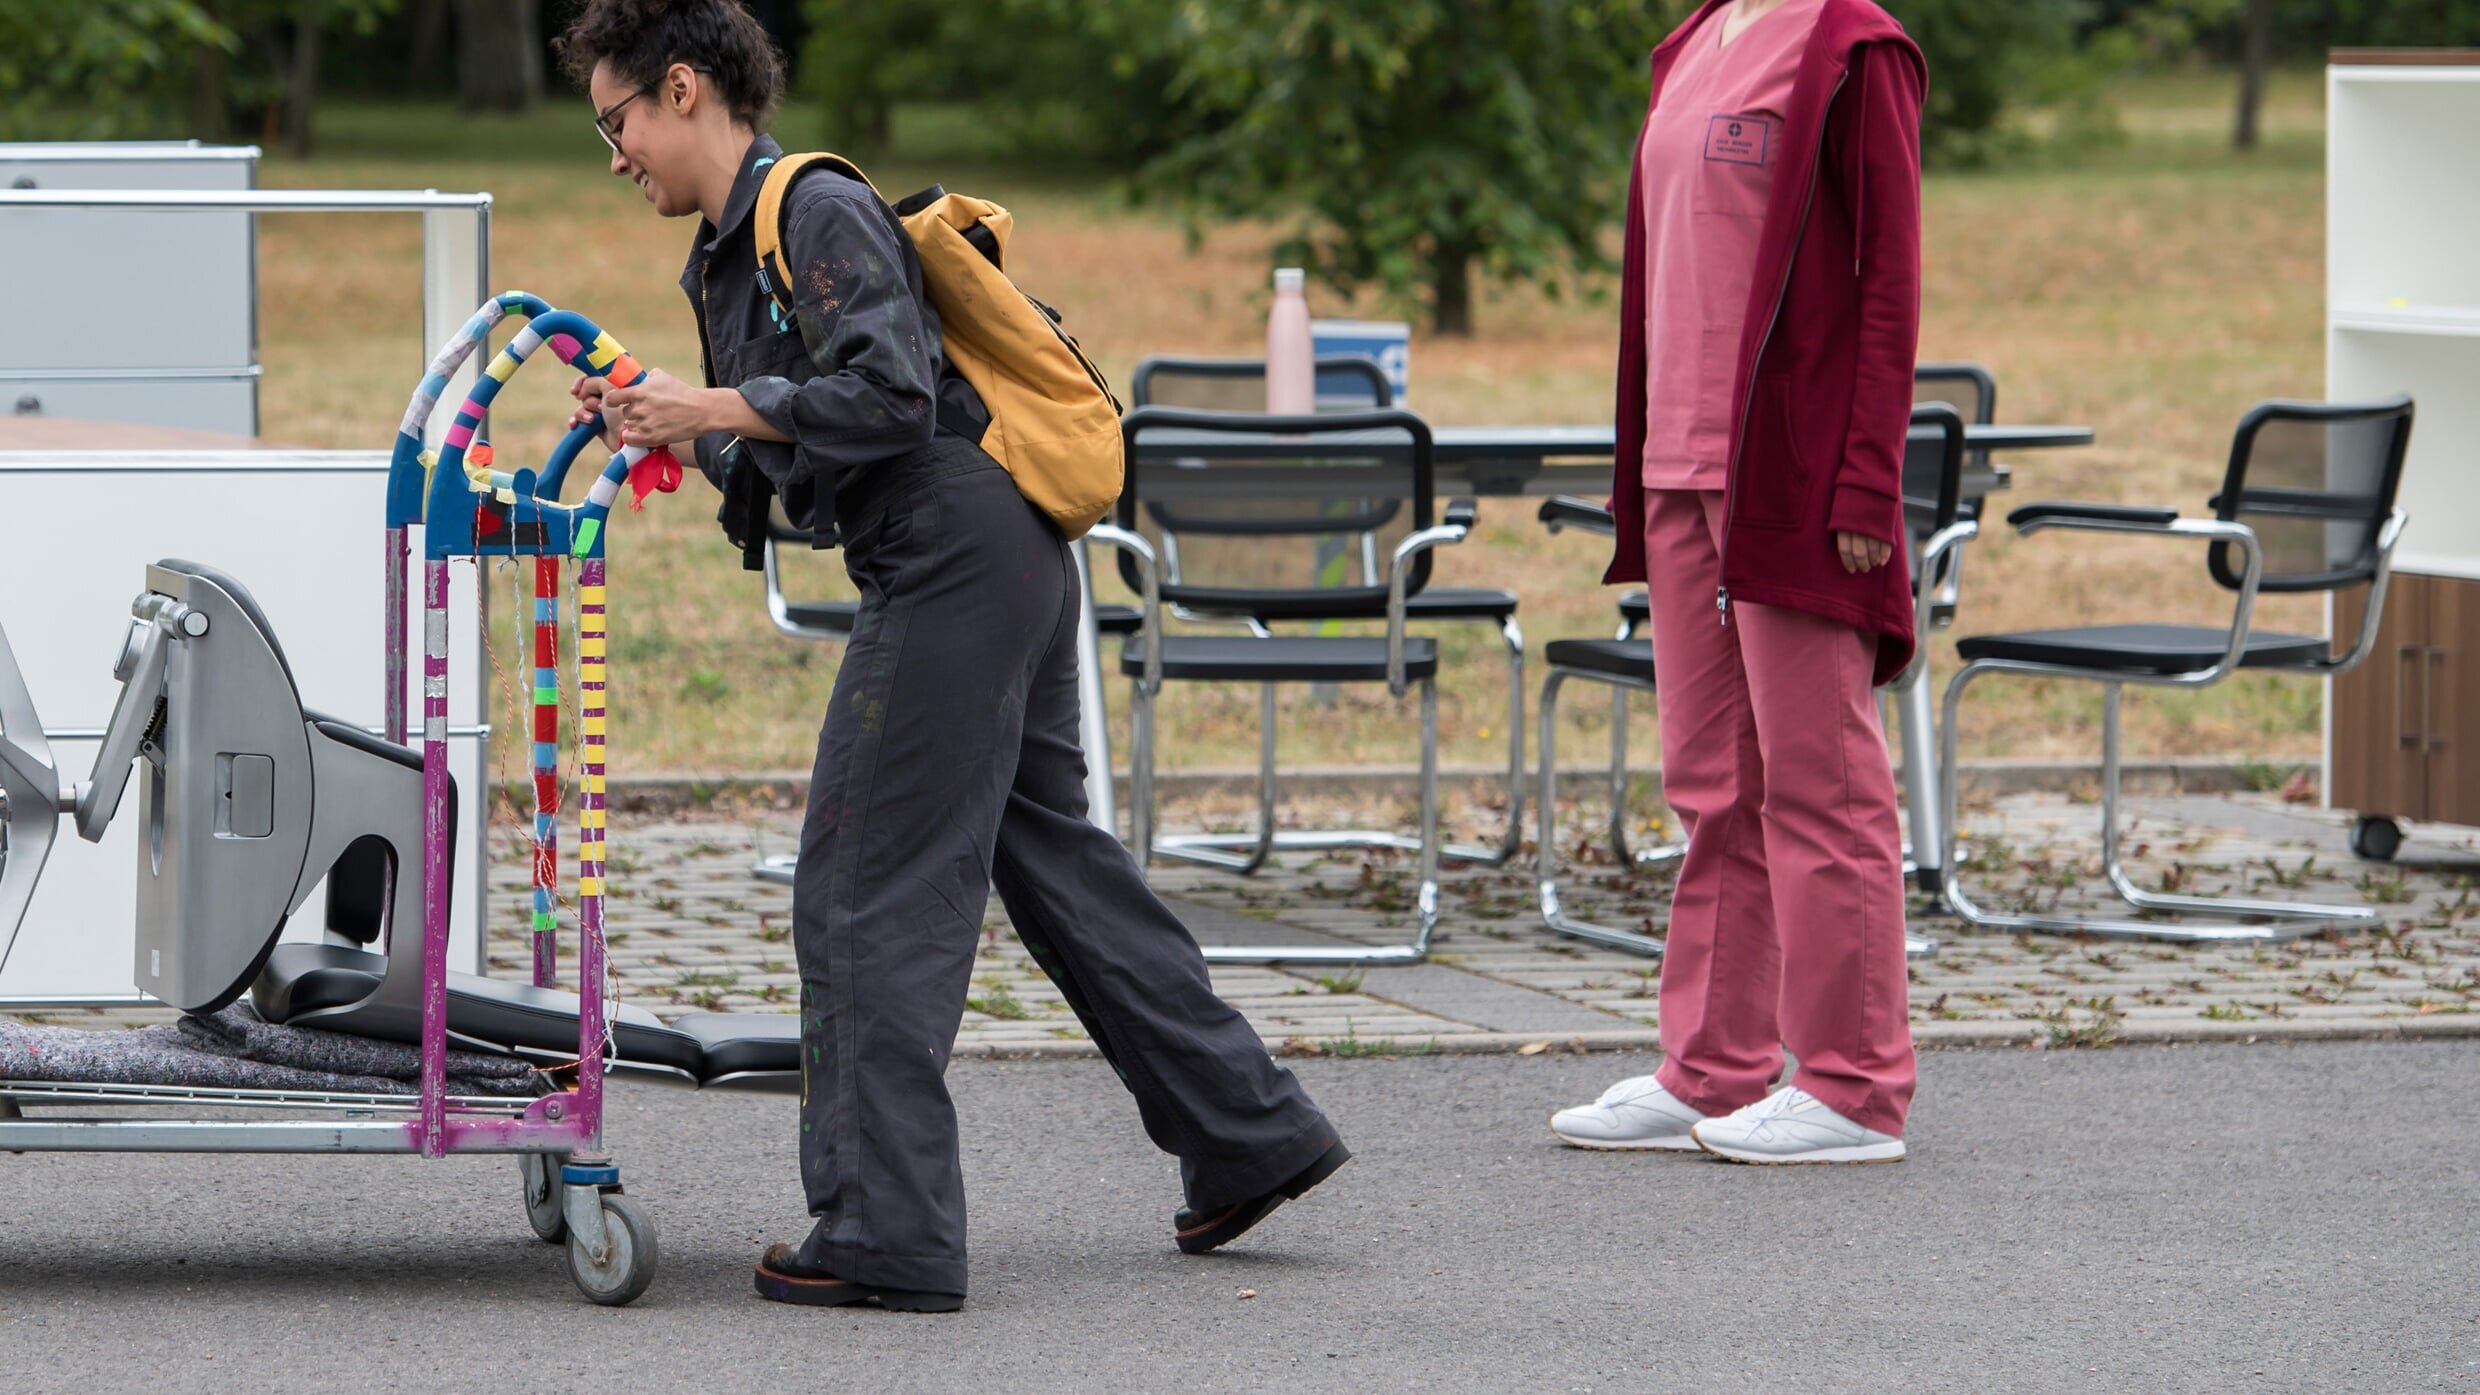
{"points": [[1261, 503], [1968, 387], [2316, 481], [1932, 472], [1345, 383]]}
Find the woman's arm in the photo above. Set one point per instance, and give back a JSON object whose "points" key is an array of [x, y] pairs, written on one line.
{"points": [[1885, 197]]}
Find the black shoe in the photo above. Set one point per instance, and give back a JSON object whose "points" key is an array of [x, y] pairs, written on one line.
{"points": [[1197, 1234], [784, 1279]]}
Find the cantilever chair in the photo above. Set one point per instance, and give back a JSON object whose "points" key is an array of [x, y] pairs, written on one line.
{"points": [[1270, 480], [2306, 505], [1352, 382], [1932, 501]]}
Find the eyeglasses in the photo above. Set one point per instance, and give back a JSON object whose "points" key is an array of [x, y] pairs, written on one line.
{"points": [[605, 127], [608, 129]]}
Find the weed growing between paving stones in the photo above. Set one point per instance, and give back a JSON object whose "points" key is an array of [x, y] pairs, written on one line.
{"points": [[1342, 984], [1350, 1044], [997, 1000], [2081, 1022]]}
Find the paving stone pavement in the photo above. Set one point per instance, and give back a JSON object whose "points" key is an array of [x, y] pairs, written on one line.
{"points": [[691, 930]]}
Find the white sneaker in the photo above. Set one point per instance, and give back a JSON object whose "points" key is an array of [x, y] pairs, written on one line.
{"points": [[1635, 1113], [1793, 1126]]}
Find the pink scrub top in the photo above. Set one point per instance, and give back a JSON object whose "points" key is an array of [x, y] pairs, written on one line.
{"points": [[1706, 170]]}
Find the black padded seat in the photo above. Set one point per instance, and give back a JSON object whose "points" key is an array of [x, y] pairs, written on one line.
{"points": [[2144, 648], [745, 1043], [1284, 659], [1635, 607], [304, 978], [1617, 658], [347, 733], [1118, 619], [1457, 603], [833, 616]]}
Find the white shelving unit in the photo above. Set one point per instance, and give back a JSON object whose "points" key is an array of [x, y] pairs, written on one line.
{"points": [[2402, 297], [2402, 277]]}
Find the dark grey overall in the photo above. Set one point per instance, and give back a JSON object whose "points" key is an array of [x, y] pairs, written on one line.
{"points": [[949, 763]]}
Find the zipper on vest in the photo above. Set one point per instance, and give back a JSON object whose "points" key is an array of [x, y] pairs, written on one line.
{"points": [[1739, 443]]}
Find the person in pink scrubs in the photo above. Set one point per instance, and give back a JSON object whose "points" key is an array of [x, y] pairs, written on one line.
{"points": [[1771, 314]]}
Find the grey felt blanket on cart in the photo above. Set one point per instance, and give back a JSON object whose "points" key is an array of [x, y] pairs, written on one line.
{"points": [[234, 1049]]}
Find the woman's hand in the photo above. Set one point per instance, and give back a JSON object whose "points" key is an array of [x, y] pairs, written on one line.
{"points": [[1860, 552], [660, 410], [589, 390]]}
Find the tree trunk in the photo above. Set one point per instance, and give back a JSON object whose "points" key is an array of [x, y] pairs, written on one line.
{"points": [[428, 43], [209, 120], [2256, 54], [1451, 290], [498, 58], [301, 85]]}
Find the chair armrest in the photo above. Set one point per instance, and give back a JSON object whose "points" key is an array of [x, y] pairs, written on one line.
{"points": [[1565, 511], [2033, 517], [1456, 528], [1149, 575], [1925, 588], [2166, 523]]}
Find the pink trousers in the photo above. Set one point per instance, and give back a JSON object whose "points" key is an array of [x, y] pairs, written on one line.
{"points": [[1787, 925]]}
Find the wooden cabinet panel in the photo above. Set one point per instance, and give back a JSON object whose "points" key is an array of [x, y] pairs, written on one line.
{"points": [[2453, 700], [2379, 761]]}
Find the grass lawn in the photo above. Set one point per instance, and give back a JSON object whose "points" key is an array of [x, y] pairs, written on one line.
{"points": [[2152, 290]]}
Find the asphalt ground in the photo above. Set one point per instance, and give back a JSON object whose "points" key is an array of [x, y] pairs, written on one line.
{"points": [[2249, 1218]]}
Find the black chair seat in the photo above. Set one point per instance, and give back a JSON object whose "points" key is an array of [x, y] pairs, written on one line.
{"points": [[2143, 648], [1635, 607], [1459, 603], [1615, 658], [833, 617], [1429, 603], [1118, 619], [304, 978], [745, 1043], [1285, 659]]}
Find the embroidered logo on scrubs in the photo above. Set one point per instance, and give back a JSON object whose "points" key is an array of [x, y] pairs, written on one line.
{"points": [[1739, 140]]}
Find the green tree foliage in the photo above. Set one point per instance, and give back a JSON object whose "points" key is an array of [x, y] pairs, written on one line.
{"points": [[1414, 142], [1986, 56], [96, 69]]}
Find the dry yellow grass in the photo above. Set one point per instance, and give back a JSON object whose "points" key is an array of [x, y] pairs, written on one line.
{"points": [[2154, 295]]}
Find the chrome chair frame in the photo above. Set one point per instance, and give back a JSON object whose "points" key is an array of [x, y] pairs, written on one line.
{"points": [[2293, 919]]}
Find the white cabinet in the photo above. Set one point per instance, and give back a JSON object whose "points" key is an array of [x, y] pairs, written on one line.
{"points": [[124, 315]]}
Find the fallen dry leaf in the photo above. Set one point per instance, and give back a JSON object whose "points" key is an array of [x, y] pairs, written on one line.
{"points": [[1247, 1293], [1532, 1048]]}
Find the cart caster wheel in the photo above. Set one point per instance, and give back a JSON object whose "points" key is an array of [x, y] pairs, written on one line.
{"points": [[626, 1265], [543, 1209], [2376, 837]]}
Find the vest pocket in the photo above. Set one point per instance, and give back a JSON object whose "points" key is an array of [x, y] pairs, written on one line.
{"points": [[1774, 482]]}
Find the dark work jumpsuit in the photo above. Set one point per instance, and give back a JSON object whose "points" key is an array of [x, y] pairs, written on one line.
{"points": [[948, 762]]}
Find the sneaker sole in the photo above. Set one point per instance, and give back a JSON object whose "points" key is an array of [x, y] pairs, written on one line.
{"points": [[1864, 1153], [1675, 1143]]}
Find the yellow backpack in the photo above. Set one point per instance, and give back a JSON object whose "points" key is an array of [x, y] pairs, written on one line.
{"points": [[1053, 421]]}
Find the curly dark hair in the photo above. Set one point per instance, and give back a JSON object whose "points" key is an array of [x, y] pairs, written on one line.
{"points": [[642, 39]]}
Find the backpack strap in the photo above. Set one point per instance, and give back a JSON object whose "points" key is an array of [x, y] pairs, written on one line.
{"points": [[768, 218]]}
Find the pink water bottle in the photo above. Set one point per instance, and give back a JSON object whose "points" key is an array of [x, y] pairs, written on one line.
{"points": [[1291, 355]]}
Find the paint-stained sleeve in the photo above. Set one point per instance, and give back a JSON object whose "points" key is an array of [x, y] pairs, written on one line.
{"points": [[1883, 170], [876, 350]]}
